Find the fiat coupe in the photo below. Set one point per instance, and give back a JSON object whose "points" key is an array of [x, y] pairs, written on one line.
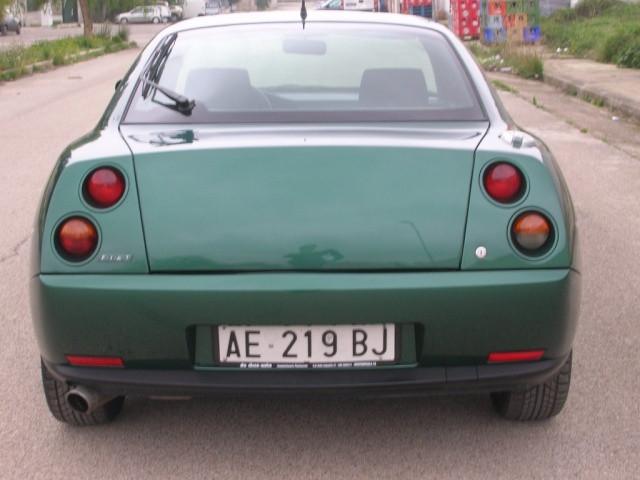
{"points": [[340, 207]]}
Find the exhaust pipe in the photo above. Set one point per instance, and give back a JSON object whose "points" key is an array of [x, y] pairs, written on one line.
{"points": [[85, 400]]}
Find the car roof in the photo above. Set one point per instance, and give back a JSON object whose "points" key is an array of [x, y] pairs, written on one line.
{"points": [[292, 16]]}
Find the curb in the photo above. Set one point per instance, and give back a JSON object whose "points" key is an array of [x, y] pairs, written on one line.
{"points": [[614, 102]]}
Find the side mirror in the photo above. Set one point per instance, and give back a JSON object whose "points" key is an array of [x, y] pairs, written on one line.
{"points": [[118, 83]]}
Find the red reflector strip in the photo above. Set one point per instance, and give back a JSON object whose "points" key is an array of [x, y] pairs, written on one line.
{"points": [[90, 361], [522, 356]]}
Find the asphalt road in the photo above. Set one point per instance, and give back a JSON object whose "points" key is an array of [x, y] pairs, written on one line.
{"points": [[596, 436]]}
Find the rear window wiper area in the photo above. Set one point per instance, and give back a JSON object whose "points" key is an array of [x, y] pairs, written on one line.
{"points": [[152, 74], [181, 103]]}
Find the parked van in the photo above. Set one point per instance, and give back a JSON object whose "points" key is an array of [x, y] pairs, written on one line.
{"points": [[193, 8]]}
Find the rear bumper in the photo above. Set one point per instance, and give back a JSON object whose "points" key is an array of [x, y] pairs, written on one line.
{"points": [[384, 381], [165, 322]]}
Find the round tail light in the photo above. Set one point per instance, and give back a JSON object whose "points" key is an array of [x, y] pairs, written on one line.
{"points": [[77, 238], [503, 182], [532, 232], [104, 187]]}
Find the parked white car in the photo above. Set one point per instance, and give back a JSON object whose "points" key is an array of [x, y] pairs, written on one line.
{"points": [[148, 14]]}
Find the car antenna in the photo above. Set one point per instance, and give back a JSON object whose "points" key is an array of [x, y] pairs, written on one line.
{"points": [[303, 13]]}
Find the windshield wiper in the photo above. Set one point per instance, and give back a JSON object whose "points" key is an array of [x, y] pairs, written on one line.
{"points": [[182, 104], [152, 74], [155, 68]]}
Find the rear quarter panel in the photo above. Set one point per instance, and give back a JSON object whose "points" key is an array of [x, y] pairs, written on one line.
{"points": [[119, 227], [488, 222]]}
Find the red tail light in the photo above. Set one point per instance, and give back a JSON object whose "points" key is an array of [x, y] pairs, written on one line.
{"points": [[518, 356], [77, 238], [503, 182], [91, 361], [104, 187]]}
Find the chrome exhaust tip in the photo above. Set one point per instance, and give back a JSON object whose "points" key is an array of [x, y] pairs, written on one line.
{"points": [[85, 400]]}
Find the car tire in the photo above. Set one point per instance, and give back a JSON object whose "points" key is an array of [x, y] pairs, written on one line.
{"points": [[18, 29], [155, 20], [538, 402], [3, 30], [124, 21], [54, 392]]}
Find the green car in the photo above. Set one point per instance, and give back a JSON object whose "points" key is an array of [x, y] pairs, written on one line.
{"points": [[340, 208]]}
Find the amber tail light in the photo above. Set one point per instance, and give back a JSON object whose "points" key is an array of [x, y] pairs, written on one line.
{"points": [[77, 238], [532, 232]]}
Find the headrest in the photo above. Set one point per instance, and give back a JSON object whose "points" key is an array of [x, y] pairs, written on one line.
{"points": [[224, 89], [393, 87]]}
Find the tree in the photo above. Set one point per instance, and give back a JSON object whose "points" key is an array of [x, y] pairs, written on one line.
{"points": [[3, 6], [86, 18]]}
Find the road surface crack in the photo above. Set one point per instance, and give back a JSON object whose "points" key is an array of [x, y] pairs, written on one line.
{"points": [[15, 250]]}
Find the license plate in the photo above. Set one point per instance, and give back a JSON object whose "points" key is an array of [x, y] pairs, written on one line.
{"points": [[319, 346]]}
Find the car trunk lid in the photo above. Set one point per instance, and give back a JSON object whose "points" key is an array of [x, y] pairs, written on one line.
{"points": [[265, 199]]}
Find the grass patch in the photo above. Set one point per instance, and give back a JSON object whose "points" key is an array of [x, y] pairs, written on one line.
{"points": [[526, 64], [603, 30], [15, 60], [598, 102], [500, 85], [521, 60]]}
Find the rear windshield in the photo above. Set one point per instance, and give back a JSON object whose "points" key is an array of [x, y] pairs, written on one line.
{"points": [[324, 73]]}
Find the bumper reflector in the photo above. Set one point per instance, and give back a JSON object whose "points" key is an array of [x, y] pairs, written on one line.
{"points": [[91, 361], [510, 357]]}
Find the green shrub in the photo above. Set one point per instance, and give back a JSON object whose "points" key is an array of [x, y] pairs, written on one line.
{"points": [[12, 57], [594, 8], [10, 75], [15, 60], [46, 51], [83, 42], [603, 30], [610, 49], [58, 58], [565, 15], [629, 56], [526, 65]]}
